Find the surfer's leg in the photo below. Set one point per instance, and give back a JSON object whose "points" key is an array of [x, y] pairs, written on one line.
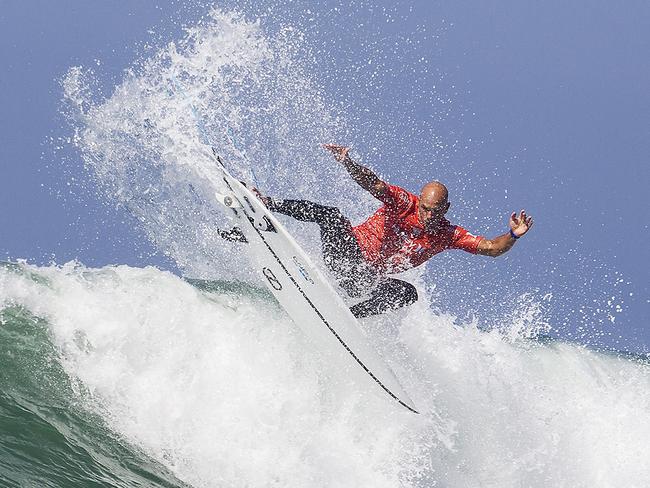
{"points": [[340, 247], [390, 294], [302, 210], [341, 252]]}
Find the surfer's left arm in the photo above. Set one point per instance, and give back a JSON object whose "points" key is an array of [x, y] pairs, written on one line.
{"points": [[519, 225], [364, 177]]}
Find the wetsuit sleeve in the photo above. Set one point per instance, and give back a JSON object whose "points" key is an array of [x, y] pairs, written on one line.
{"points": [[464, 240], [396, 199]]}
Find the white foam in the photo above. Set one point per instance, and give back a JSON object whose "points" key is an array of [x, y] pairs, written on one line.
{"points": [[223, 389]]}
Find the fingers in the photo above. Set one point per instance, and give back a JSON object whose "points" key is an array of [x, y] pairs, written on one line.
{"points": [[340, 152], [523, 219]]}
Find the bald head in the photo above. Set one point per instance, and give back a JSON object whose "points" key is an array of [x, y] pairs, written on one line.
{"points": [[433, 204], [434, 191]]}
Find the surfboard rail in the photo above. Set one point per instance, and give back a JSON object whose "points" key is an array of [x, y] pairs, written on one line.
{"points": [[303, 290]]}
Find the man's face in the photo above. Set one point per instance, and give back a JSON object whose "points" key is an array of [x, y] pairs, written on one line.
{"points": [[432, 209]]}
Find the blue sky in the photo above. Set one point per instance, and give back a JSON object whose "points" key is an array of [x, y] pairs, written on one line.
{"points": [[540, 105]]}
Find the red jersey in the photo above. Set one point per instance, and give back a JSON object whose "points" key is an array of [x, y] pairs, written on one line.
{"points": [[393, 239]]}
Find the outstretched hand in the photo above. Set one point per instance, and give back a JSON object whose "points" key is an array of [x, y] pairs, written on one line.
{"points": [[520, 224], [340, 152]]}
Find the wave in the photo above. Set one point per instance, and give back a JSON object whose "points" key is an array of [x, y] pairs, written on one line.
{"points": [[209, 379], [49, 438], [127, 375]]}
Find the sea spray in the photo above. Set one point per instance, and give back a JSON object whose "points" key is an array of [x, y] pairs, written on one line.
{"points": [[230, 85], [239, 397], [220, 386]]}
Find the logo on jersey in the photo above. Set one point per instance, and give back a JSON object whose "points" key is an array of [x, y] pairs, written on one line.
{"points": [[404, 197]]}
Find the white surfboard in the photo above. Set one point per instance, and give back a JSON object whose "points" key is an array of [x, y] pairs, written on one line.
{"points": [[304, 292]]}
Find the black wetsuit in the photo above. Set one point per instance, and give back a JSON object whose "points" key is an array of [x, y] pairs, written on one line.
{"points": [[344, 258]]}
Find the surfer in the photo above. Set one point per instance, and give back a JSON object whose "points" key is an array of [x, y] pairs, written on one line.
{"points": [[405, 232]]}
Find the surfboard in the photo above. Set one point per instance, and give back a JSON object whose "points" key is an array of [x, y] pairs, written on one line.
{"points": [[304, 291]]}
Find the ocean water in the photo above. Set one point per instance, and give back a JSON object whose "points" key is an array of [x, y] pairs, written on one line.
{"points": [[123, 376]]}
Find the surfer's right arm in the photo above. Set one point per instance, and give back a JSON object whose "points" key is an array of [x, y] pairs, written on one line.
{"points": [[366, 179]]}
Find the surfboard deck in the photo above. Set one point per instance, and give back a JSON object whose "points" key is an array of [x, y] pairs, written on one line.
{"points": [[303, 290]]}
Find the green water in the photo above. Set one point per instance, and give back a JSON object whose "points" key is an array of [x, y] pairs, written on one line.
{"points": [[581, 415], [47, 438]]}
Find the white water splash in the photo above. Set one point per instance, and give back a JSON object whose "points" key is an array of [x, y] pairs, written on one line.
{"points": [[231, 86], [236, 395], [222, 388]]}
